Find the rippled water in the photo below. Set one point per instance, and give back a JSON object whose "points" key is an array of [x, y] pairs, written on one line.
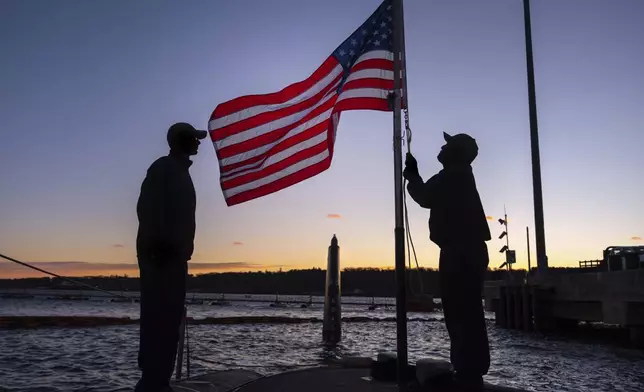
{"points": [[104, 359], [44, 307]]}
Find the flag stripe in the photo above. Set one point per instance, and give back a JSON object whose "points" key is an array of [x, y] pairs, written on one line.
{"points": [[280, 97], [274, 131], [363, 93], [369, 73], [369, 82], [282, 150], [375, 54], [279, 113], [248, 112], [280, 125], [278, 162], [290, 179], [374, 64], [363, 103], [303, 163], [259, 155]]}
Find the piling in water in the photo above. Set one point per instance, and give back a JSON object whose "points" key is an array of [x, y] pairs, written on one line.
{"points": [[518, 306], [332, 326], [501, 319], [509, 307], [527, 307]]}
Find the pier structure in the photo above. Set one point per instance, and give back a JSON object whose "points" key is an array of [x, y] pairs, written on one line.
{"points": [[556, 302]]}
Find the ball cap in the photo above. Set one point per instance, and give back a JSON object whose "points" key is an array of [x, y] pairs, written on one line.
{"points": [[464, 143], [182, 128]]}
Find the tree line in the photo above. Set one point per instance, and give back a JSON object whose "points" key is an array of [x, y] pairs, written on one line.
{"points": [[354, 281]]}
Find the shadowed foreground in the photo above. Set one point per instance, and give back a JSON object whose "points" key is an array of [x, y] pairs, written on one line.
{"points": [[319, 379]]}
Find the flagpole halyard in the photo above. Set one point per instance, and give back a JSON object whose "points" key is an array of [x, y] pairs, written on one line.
{"points": [[403, 62], [399, 230]]}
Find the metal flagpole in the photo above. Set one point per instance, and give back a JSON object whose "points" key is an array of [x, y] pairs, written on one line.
{"points": [[539, 232], [399, 231]]}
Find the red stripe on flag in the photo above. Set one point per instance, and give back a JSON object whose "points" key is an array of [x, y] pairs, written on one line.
{"points": [[280, 184], [363, 103], [384, 84], [385, 64], [282, 96]]}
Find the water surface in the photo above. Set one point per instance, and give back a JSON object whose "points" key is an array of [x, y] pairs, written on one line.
{"points": [[104, 358]]}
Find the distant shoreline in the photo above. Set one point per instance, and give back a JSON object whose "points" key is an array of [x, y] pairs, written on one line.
{"points": [[82, 293], [357, 282]]}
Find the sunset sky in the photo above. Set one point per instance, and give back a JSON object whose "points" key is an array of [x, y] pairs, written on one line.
{"points": [[89, 89]]}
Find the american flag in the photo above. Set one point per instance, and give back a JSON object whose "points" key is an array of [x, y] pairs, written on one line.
{"points": [[265, 143]]}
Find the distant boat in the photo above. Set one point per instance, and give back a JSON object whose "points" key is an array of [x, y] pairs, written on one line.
{"points": [[308, 304], [421, 303], [122, 300], [194, 301], [220, 302], [373, 305], [277, 303], [71, 298]]}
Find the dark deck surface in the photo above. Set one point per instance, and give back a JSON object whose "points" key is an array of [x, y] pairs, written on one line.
{"points": [[224, 381], [321, 379]]}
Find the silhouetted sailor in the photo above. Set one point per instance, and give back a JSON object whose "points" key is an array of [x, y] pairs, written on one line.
{"points": [[164, 244], [458, 225]]}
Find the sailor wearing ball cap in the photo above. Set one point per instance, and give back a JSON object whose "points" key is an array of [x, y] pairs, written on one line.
{"points": [[458, 225]]}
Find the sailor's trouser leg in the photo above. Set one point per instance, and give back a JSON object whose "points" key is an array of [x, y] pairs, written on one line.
{"points": [[462, 273], [163, 291]]}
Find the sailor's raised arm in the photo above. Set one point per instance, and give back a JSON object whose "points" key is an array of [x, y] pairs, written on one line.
{"points": [[423, 193]]}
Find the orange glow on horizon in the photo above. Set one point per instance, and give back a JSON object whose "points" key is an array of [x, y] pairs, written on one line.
{"points": [[11, 271], [264, 255]]}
